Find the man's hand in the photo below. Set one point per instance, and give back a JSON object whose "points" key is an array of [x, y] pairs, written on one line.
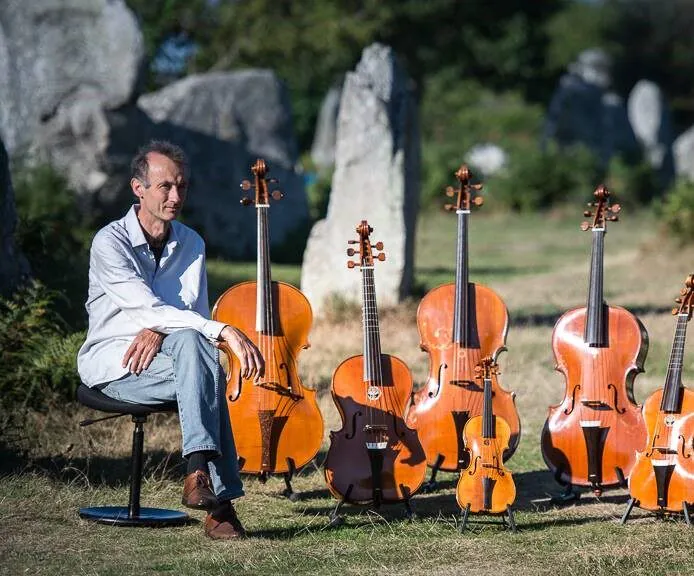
{"points": [[143, 349], [252, 362]]}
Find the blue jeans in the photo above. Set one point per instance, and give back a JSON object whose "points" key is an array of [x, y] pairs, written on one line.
{"points": [[187, 370]]}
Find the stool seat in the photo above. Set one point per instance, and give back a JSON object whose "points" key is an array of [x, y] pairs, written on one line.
{"points": [[96, 399]]}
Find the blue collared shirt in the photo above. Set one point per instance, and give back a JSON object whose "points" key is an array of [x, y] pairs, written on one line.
{"points": [[129, 292]]}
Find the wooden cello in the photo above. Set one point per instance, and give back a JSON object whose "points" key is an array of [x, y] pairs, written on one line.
{"points": [[663, 477], [486, 486], [277, 425], [459, 324], [591, 437], [375, 457]]}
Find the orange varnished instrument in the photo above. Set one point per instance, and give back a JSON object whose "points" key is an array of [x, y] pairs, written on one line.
{"points": [[277, 425], [375, 457], [486, 486], [459, 324], [591, 438], [663, 477]]}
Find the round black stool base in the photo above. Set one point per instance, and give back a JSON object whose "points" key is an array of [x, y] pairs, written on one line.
{"points": [[118, 516]]}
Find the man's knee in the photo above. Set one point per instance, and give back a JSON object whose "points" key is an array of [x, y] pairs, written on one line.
{"points": [[189, 340]]}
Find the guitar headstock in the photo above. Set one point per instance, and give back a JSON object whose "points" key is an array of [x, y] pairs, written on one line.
{"points": [[367, 256], [260, 185], [685, 300], [486, 368], [601, 210], [466, 194]]}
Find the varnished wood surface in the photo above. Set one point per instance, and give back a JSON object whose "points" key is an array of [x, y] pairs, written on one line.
{"points": [[440, 409], [596, 374], [347, 463], [296, 422], [675, 432], [486, 461]]}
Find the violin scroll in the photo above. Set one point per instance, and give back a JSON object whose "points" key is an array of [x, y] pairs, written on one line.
{"points": [[602, 212], [466, 194], [368, 252], [685, 299], [260, 185]]}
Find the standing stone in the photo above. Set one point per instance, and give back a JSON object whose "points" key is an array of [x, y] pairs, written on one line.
{"points": [[684, 154], [13, 266], [584, 111], [649, 116], [225, 121], [323, 148], [63, 63], [376, 178]]}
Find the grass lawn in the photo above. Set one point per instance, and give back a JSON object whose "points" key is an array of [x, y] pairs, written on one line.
{"points": [[539, 265]]}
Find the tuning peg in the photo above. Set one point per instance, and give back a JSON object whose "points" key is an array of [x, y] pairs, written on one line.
{"points": [[476, 186], [245, 185], [675, 311], [352, 241], [350, 251], [613, 218], [379, 245], [683, 291], [449, 207], [277, 195], [615, 208], [351, 264], [450, 192], [587, 213], [381, 257], [585, 226], [478, 200], [678, 300], [246, 201]]}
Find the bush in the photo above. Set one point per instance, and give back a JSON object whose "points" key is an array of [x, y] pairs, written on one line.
{"points": [[632, 185], [540, 179], [37, 354], [677, 211]]}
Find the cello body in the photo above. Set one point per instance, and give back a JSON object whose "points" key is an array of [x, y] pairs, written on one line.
{"points": [[348, 466], [277, 425]]}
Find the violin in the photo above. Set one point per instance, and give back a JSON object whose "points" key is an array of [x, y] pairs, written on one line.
{"points": [[459, 324], [591, 437], [375, 457], [663, 476], [486, 485], [278, 427]]}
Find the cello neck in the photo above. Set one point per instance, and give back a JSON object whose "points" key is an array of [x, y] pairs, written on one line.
{"points": [[673, 379], [461, 314], [487, 413], [265, 318], [372, 337], [595, 333]]}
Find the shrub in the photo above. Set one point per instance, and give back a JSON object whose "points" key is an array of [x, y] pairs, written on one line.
{"points": [[632, 185], [677, 211]]}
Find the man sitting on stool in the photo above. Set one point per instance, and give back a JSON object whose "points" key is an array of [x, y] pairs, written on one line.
{"points": [[150, 339]]}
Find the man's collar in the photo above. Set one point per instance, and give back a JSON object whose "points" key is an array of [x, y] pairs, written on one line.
{"points": [[137, 236]]}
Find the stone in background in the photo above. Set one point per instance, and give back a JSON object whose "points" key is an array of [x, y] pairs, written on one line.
{"points": [[376, 178], [684, 154], [323, 147]]}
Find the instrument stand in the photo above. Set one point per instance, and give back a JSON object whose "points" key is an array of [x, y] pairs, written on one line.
{"points": [[288, 491], [431, 485], [568, 496], [634, 502], [508, 512]]}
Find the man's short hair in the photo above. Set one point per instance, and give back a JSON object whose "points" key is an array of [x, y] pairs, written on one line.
{"points": [[139, 167]]}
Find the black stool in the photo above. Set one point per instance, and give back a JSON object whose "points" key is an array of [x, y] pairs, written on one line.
{"points": [[132, 514]]}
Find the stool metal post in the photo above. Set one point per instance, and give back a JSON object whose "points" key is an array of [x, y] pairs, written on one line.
{"points": [[136, 476]]}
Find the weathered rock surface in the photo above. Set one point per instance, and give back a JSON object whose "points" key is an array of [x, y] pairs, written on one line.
{"points": [[376, 178], [323, 147], [13, 266], [650, 118], [225, 121], [584, 111], [684, 154], [62, 64]]}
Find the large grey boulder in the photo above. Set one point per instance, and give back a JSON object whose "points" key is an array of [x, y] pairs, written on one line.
{"points": [[225, 121], [584, 111], [63, 63], [650, 118], [323, 147], [13, 266], [684, 154], [376, 178]]}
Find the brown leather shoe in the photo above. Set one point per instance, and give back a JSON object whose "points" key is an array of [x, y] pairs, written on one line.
{"points": [[197, 491], [223, 524]]}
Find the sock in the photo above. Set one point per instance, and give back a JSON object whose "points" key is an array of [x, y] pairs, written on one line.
{"points": [[197, 461]]}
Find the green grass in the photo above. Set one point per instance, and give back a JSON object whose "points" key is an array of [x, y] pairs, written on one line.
{"points": [[539, 265]]}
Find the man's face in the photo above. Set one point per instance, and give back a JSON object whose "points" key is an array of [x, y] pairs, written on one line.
{"points": [[163, 198]]}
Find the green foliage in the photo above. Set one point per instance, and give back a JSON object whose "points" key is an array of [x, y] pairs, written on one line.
{"points": [[37, 355], [632, 185], [677, 211], [539, 179], [53, 235]]}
